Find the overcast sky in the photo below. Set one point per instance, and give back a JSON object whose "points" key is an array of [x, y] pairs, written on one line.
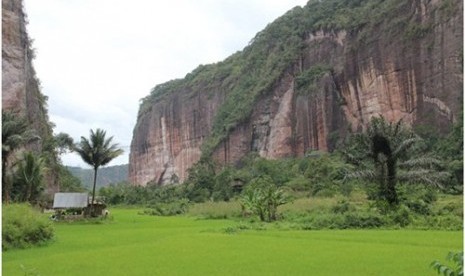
{"points": [[97, 58]]}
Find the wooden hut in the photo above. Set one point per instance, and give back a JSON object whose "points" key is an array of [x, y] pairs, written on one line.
{"points": [[70, 205]]}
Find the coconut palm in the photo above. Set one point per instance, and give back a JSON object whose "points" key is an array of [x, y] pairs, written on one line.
{"points": [[15, 134], [97, 151], [389, 153]]}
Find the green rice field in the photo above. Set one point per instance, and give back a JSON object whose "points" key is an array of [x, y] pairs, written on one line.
{"points": [[133, 244]]}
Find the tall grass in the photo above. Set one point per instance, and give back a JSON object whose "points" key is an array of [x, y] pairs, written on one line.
{"points": [[216, 210]]}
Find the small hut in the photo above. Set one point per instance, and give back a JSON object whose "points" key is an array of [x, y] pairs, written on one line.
{"points": [[77, 205], [70, 205]]}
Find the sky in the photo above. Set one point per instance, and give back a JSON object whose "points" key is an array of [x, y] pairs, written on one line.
{"points": [[97, 58]]}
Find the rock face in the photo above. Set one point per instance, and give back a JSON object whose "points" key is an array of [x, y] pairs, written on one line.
{"points": [[20, 86], [408, 67]]}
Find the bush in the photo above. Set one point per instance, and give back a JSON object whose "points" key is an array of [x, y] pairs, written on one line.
{"points": [[456, 269], [167, 209], [362, 220], [349, 220], [24, 227], [342, 207], [401, 216]]}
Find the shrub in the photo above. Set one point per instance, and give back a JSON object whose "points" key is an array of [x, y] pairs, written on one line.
{"points": [[168, 209], [341, 207], [444, 222], [454, 270], [349, 220], [362, 220], [24, 227], [419, 206]]}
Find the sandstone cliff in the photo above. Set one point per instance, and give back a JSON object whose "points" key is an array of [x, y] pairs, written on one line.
{"points": [[20, 86], [303, 82]]}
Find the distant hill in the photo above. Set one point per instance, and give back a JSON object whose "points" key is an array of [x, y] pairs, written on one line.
{"points": [[105, 176]]}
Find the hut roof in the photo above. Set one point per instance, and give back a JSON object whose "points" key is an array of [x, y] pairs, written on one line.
{"points": [[70, 200]]}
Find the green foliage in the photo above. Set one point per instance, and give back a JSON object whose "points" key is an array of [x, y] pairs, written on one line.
{"points": [[326, 174], [346, 220], [201, 181], [54, 146], [388, 154], [417, 31], [450, 149], [456, 258], [97, 151], [342, 207], [306, 81], [215, 210], [124, 193], [168, 209], [28, 178], [69, 182], [263, 198], [23, 227], [15, 134]]}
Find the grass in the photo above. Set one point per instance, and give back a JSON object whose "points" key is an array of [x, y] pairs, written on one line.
{"points": [[132, 244], [215, 210]]}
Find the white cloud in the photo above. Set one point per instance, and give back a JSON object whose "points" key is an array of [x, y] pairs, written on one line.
{"points": [[97, 59]]}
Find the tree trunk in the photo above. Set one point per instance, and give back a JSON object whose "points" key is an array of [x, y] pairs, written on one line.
{"points": [[92, 208], [391, 193], [5, 183]]}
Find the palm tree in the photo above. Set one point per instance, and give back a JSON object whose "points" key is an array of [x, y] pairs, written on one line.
{"points": [[97, 151], [388, 153], [15, 134], [29, 177]]}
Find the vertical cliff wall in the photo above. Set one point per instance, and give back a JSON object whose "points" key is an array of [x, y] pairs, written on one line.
{"points": [[20, 86], [303, 82]]}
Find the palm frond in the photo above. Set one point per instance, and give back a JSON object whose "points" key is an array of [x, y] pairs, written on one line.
{"points": [[97, 150], [405, 145], [424, 176], [421, 162], [361, 174]]}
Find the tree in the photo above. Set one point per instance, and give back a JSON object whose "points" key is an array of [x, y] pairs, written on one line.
{"points": [[15, 134], [450, 149], [201, 181], [263, 198], [97, 151], [28, 179], [69, 182], [389, 153]]}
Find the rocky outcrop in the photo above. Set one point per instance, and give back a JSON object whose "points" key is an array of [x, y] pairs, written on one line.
{"points": [[20, 86], [408, 67]]}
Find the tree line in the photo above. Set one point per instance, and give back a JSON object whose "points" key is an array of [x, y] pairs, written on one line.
{"points": [[24, 170], [387, 160], [380, 159]]}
